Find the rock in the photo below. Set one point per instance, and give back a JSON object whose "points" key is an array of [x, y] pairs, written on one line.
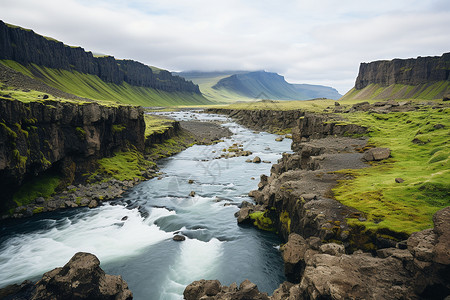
{"points": [[70, 204], [93, 204], [124, 218], [376, 154], [213, 290], [266, 161], [192, 194], [294, 257], [441, 220], [179, 238], [39, 200], [438, 126], [248, 160], [446, 97], [256, 160], [190, 181], [279, 139], [81, 278], [399, 180], [332, 249], [336, 103], [243, 215]]}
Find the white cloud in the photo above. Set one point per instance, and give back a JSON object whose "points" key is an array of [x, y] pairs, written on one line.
{"points": [[307, 41]]}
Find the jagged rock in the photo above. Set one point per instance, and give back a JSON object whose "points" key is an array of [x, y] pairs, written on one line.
{"points": [[294, 252], [256, 160], [192, 194], [190, 181], [441, 221], [213, 290], [279, 139], [376, 154], [332, 249], [93, 204], [81, 278]]}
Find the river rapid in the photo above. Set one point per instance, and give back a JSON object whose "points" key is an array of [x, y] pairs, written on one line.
{"points": [[141, 248]]}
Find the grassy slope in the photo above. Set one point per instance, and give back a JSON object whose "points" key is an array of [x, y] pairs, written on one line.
{"points": [[206, 83], [92, 87], [425, 167], [399, 91]]}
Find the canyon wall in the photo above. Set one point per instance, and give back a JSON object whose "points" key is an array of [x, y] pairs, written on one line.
{"points": [[26, 47], [64, 137], [413, 71]]}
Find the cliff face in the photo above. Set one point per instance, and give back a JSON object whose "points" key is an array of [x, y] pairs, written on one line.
{"points": [[404, 71], [26, 47], [64, 137]]}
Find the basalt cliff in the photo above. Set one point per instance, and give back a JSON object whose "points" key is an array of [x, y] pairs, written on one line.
{"points": [[26, 47], [414, 78]]}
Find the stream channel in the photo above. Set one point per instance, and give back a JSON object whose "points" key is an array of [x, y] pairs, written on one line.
{"points": [[141, 248]]}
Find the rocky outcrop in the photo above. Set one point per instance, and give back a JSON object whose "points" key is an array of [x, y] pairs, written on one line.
{"points": [[80, 278], [267, 120], [61, 137], [324, 271], [213, 290], [411, 71], [26, 47]]}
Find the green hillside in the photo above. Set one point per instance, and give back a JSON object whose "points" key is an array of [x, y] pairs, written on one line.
{"points": [[428, 91], [92, 87]]}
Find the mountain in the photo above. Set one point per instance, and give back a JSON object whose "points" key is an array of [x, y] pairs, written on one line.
{"points": [[244, 86], [78, 72], [416, 78]]}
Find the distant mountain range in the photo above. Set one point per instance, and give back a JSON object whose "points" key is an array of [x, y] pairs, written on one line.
{"points": [[244, 85]]}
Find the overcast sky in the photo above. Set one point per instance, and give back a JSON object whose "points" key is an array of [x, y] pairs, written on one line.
{"points": [[307, 41]]}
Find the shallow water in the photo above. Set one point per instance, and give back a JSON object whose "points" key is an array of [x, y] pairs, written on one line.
{"points": [[141, 248]]}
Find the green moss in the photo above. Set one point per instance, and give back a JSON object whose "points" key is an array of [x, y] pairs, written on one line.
{"points": [[261, 220], [425, 167], [285, 221], [9, 131], [81, 133], [156, 124], [124, 165], [38, 210], [42, 186], [118, 128]]}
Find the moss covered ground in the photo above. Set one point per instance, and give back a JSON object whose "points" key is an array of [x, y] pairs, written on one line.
{"points": [[156, 124], [42, 186], [420, 149]]}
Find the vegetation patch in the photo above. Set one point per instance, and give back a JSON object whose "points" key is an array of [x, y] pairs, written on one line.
{"points": [[118, 128], [262, 221], [285, 221], [124, 165], [156, 124], [42, 186], [424, 167]]}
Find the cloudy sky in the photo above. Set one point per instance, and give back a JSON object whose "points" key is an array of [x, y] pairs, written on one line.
{"points": [[307, 41]]}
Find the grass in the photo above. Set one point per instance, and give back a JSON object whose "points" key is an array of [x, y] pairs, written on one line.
{"points": [[425, 167], [92, 87], [42, 186], [124, 165], [156, 124]]}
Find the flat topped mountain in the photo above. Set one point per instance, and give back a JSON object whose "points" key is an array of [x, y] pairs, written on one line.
{"points": [[413, 71]]}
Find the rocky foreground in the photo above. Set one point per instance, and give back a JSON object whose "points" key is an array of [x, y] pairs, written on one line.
{"points": [[419, 271], [80, 278]]}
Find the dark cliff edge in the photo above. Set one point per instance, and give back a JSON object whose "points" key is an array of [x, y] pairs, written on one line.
{"points": [[61, 137], [26, 47], [413, 71], [426, 78]]}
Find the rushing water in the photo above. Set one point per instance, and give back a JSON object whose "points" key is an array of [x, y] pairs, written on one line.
{"points": [[141, 248]]}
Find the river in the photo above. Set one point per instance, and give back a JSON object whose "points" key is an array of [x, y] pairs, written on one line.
{"points": [[141, 248]]}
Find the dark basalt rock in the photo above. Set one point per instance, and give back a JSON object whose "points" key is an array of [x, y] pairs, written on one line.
{"points": [[62, 137], [404, 71]]}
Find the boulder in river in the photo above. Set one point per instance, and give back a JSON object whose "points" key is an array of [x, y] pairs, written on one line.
{"points": [[256, 160], [81, 278]]}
